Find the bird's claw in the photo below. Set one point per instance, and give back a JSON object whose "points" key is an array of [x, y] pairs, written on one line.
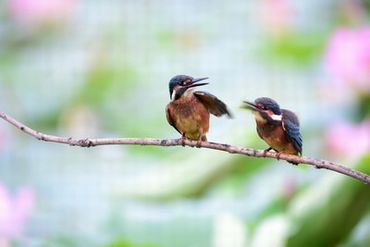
{"points": [[267, 150], [199, 143], [278, 155], [183, 138]]}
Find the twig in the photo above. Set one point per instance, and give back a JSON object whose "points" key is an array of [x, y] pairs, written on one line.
{"points": [[91, 142]]}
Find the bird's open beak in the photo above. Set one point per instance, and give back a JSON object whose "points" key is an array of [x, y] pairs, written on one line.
{"points": [[195, 84], [249, 106]]}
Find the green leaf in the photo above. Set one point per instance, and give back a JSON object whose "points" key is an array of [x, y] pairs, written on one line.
{"points": [[333, 218], [296, 48]]}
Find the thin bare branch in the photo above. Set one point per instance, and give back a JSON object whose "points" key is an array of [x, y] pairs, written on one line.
{"points": [[91, 142]]}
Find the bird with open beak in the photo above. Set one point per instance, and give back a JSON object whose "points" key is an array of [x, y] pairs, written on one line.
{"points": [[188, 111], [279, 128]]}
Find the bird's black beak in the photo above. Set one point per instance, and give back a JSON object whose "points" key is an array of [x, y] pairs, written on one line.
{"points": [[249, 106], [195, 84]]}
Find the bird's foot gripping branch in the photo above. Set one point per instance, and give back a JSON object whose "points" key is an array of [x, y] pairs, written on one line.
{"points": [[324, 164]]}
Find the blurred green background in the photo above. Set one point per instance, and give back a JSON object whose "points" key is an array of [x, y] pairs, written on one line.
{"points": [[101, 69]]}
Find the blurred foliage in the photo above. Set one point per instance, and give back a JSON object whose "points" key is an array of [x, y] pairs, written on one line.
{"points": [[121, 242], [366, 4], [231, 177], [363, 108], [104, 82], [126, 52], [294, 48], [276, 206], [332, 222], [240, 170]]}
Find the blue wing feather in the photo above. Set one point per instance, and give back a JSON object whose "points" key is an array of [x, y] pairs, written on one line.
{"points": [[291, 127]]}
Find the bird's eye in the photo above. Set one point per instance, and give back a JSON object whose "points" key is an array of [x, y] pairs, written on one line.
{"points": [[187, 82]]}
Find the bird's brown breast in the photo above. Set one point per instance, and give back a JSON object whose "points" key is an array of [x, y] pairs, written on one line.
{"points": [[275, 136], [189, 116]]}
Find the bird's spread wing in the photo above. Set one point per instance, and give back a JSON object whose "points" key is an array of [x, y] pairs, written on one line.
{"points": [[170, 120], [291, 127], [213, 104]]}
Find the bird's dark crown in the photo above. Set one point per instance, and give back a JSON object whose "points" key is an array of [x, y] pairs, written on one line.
{"points": [[181, 83], [181, 80], [265, 103]]}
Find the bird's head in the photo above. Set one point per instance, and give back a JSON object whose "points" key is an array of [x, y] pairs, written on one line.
{"points": [[181, 83], [264, 109]]}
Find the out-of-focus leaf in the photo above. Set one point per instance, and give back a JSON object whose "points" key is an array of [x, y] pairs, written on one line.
{"points": [[275, 207], [299, 49], [105, 81], [332, 223], [242, 167], [234, 175], [165, 38], [363, 109], [47, 122], [121, 242]]}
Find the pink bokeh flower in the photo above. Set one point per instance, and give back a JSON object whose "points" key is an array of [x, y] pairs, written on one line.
{"points": [[348, 140], [347, 58], [41, 11], [14, 211], [277, 16]]}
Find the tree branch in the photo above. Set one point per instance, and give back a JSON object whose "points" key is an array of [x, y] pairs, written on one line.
{"points": [[90, 142]]}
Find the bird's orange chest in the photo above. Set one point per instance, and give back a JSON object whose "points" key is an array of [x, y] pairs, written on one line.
{"points": [[270, 133], [275, 136], [189, 107], [190, 116]]}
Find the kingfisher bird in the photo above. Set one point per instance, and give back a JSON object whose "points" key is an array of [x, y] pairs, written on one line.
{"points": [[188, 111], [279, 128]]}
